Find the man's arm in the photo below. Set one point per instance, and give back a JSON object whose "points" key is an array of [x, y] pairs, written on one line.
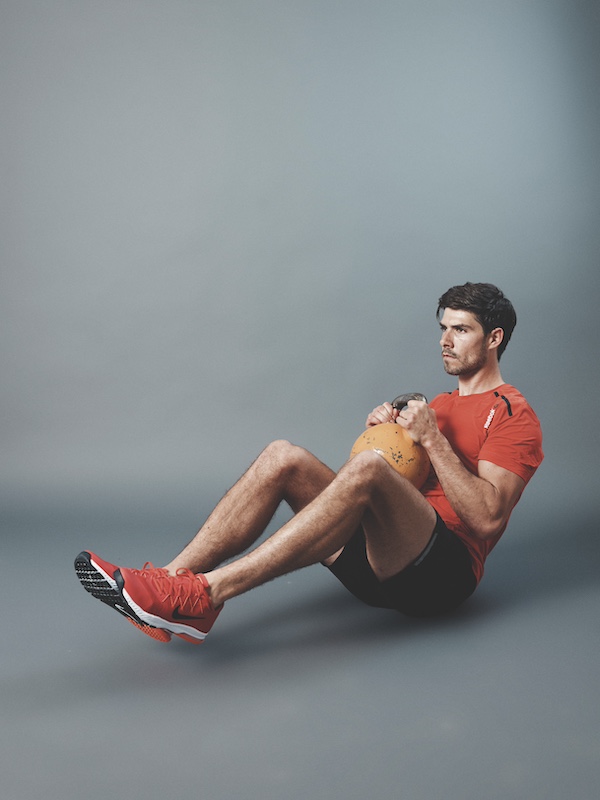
{"points": [[483, 501]]}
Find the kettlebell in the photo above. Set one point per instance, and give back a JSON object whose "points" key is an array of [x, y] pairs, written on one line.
{"points": [[396, 445]]}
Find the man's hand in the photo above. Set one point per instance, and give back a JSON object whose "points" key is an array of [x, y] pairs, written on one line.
{"points": [[417, 418], [420, 421], [381, 414]]}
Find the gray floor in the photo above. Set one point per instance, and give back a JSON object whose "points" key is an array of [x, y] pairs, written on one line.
{"points": [[300, 691]]}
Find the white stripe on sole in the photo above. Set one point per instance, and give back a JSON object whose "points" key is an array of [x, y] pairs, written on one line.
{"points": [[108, 578], [159, 622]]}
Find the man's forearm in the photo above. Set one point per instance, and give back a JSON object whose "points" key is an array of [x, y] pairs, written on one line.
{"points": [[475, 500]]}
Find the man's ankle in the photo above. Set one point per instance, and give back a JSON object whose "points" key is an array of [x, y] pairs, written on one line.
{"points": [[212, 589]]}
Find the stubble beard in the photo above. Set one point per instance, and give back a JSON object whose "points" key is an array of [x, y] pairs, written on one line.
{"points": [[455, 366]]}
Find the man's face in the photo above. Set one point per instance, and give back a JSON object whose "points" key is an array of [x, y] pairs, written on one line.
{"points": [[464, 346]]}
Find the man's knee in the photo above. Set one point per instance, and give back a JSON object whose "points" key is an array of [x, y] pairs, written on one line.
{"points": [[368, 463], [283, 455], [366, 470], [280, 450]]}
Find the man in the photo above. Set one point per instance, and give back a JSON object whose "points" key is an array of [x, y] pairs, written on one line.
{"points": [[420, 552]]}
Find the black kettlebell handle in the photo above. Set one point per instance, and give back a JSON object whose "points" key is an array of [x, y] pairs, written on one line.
{"points": [[402, 400]]}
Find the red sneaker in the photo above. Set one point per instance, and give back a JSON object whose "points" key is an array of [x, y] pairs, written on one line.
{"points": [[178, 604], [98, 578]]}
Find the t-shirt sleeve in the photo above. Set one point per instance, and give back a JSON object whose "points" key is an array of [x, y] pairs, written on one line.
{"points": [[514, 441]]}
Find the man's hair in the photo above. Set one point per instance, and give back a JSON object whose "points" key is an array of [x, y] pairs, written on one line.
{"points": [[487, 303]]}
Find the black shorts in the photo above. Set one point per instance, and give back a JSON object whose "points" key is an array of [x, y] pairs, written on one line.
{"points": [[436, 582]]}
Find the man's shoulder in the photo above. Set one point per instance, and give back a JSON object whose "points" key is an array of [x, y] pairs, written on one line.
{"points": [[505, 400], [514, 399], [505, 392]]}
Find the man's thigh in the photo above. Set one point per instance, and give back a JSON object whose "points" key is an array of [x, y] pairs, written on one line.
{"points": [[397, 525], [397, 521], [438, 581]]}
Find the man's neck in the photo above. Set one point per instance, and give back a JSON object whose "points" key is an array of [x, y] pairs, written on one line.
{"points": [[485, 380]]}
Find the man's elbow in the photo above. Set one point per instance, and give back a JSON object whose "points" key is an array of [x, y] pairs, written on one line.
{"points": [[489, 528]]}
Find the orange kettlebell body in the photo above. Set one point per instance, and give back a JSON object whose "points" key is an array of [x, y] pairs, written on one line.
{"points": [[398, 448]]}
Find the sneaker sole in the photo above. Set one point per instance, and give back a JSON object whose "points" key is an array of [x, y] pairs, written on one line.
{"points": [[103, 587]]}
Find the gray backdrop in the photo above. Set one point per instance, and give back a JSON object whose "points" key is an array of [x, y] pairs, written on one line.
{"points": [[227, 221]]}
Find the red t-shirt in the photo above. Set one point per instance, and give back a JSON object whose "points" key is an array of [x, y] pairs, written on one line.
{"points": [[497, 426]]}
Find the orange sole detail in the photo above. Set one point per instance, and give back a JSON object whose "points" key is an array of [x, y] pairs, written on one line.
{"points": [[161, 635], [155, 633], [189, 639]]}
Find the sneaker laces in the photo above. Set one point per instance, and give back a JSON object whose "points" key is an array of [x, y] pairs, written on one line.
{"points": [[183, 589]]}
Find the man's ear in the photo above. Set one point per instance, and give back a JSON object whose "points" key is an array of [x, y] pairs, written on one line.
{"points": [[495, 338]]}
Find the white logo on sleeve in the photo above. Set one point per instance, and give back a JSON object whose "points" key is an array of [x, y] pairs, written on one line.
{"points": [[488, 421]]}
